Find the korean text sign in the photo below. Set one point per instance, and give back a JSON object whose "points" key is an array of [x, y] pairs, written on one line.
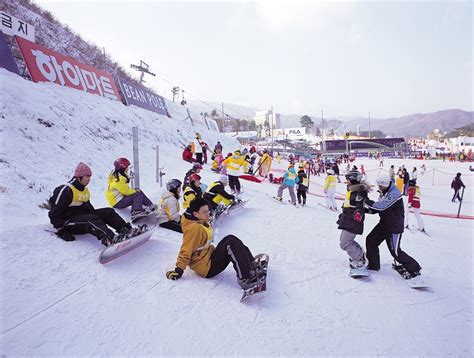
{"points": [[45, 65], [12, 26]]}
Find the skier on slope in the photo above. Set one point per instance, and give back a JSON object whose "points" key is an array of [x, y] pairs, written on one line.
{"points": [[120, 195], [414, 196], [216, 194], [330, 190], [72, 212], [290, 178], [351, 220], [168, 211], [198, 252], [303, 184], [193, 190], [195, 169], [389, 229]]}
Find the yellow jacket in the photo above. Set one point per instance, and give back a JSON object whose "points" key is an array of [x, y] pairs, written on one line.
{"points": [[330, 182], [117, 189], [399, 183], [197, 247], [233, 164]]}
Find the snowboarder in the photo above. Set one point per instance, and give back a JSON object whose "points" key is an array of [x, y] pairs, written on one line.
{"points": [[72, 212], [168, 212], [290, 178], [233, 167], [198, 252], [351, 220], [193, 190], [414, 195], [390, 228], [216, 194], [188, 154], [303, 184], [120, 195], [330, 190], [195, 169], [456, 185]]}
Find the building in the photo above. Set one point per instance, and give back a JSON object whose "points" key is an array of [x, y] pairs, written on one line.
{"points": [[262, 117]]}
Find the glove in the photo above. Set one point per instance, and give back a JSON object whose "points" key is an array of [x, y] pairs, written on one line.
{"points": [[174, 275], [65, 235], [357, 216]]}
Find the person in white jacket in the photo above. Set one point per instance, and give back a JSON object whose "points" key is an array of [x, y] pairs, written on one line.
{"points": [[168, 212], [198, 149]]}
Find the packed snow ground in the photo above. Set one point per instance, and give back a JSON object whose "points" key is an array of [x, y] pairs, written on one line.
{"points": [[56, 299]]}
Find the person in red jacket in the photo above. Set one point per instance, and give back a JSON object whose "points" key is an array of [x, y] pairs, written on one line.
{"points": [[188, 154], [414, 202]]}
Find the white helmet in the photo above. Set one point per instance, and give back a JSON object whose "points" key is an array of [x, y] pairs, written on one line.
{"points": [[330, 171], [383, 180], [224, 179]]}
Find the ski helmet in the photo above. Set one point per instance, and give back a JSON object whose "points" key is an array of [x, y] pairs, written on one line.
{"points": [[330, 171], [121, 163], [173, 184], [197, 166], [194, 177], [354, 176]]}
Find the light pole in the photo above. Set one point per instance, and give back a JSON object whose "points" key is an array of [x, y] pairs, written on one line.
{"points": [[369, 127]]}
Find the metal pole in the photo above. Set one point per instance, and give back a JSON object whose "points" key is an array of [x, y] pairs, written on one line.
{"points": [[223, 118], [271, 127], [136, 160], [369, 127], [322, 125], [460, 202], [432, 183]]}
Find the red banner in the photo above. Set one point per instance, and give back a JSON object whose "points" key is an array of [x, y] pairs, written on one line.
{"points": [[45, 65]]}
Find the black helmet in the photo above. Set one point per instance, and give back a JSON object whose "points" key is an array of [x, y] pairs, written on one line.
{"points": [[354, 176], [173, 184]]}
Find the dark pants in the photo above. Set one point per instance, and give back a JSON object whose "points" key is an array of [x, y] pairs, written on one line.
{"points": [[96, 223], [373, 241], [456, 195], [301, 194], [231, 249], [172, 225], [234, 183], [136, 200], [199, 158]]}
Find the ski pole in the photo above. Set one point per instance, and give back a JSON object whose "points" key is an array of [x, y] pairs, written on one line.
{"points": [[256, 170], [460, 202]]}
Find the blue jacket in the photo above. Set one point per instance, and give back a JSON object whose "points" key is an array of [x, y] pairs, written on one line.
{"points": [[290, 178], [390, 208]]}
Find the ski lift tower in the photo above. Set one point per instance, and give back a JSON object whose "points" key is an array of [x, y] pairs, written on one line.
{"points": [[143, 68]]}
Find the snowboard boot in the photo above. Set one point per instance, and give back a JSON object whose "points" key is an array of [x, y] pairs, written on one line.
{"points": [[137, 213], [107, 241], [248, 283], [151, 208], [122, 234], [357, 264]]}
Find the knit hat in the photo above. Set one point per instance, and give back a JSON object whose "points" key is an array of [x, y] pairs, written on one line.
{"points": [[82, 170]]}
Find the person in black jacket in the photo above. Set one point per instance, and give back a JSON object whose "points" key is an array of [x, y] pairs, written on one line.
{"points": [[335, 167], [72, 213], [302, 185], [194, 170], [456, 185], [406, 179], [390, 228], [216, 195], [351, 220]]}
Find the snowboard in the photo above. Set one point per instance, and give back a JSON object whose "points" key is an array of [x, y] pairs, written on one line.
{"points": [[141, 216], [124, 247], [261, 261], [416, 282], [276, 199], [328, 208], [359, 272]]}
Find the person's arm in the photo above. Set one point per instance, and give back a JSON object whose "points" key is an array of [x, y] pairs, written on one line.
{"points": [[173, 206], [122, 186], [383, 204], [59, 207]]}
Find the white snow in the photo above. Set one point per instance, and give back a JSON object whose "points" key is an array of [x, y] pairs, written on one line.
{"points": [[56, 299]]}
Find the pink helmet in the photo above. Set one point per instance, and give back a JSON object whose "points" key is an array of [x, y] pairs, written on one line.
{"points": [[121, 163]]}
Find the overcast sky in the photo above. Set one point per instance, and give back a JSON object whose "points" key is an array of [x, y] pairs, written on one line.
{"points": [[389, 58]]}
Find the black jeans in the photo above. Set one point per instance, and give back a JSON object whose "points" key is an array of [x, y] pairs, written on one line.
{"points": [[301, 194], [231, 249], [234, 183], [199, 158], [172, 225]]}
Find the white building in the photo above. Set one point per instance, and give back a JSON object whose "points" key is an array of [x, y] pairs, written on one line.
{"points": [[261, 117], [460, 144]]}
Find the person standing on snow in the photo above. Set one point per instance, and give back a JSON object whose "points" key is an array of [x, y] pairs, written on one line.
{"points": [[390, 207], [290, 178], [456, 185], [335, 168], [198, 252], [198, 148], [72, 212], [351, 220], [168, 211], [330, 190], [303, 184], [120, 195], [233, 167], [414, 196]]}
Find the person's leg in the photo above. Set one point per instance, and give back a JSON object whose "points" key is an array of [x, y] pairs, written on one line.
{"points": [[408, 262], [328, 199], [172, 225], [111, 218], [298, 196], [135, 200], [90, 224], [303, 193], [421, 225], [372, 243], [292, 194], [231, 249], [280, 190], [456, 194], [333, 198], [349, 245], [237, 184]]}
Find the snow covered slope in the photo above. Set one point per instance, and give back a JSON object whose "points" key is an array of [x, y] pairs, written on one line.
{"points": [[56, 299]]}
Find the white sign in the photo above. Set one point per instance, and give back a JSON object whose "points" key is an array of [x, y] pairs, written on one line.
{"points": [[12, 26], [294, 133]]}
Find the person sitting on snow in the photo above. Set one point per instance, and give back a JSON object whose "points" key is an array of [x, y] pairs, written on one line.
{"points": [[198, 252], [72, 212], [168, 212], [217, 161], [188, 154], [193, 190], [120, 195], [290, 178], [216, 194], [194, 170]]}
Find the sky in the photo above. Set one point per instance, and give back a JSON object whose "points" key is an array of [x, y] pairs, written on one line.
{"points": [[346, 58]]}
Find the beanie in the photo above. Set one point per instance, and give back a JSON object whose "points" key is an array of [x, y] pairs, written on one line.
{"points": [[82, 170]]}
